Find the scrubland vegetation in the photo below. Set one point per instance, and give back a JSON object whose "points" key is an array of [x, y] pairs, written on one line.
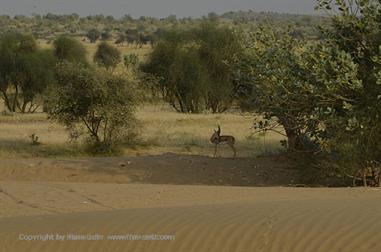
{"points": [[314, 91], [161, 130]]}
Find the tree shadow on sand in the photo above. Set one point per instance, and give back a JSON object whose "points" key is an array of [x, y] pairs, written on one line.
{"points": [[177, 169]]}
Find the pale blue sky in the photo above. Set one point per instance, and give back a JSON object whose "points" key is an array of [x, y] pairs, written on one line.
{"points": [[155, 8]]}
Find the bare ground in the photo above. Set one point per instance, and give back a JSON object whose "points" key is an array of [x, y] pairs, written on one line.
{"points": [[168, 168]]}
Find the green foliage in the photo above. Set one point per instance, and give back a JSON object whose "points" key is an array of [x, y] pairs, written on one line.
{"points": [[106, 35], [50, 25], [107, 56], [269, 84], [188, 79], [25, 71], [357, 31], [35, 76], [325, 95], [69, 49], [305, 89], [131, 60], [192, 67], [93, 35], [217, 46], [95, 101]]}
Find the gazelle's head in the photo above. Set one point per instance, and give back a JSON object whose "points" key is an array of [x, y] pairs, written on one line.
{"points": [[216, 135]]}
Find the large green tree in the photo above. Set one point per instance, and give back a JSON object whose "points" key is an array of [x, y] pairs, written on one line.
{"points": [[268, 84], [296, 86], [193, 68], [25, 71], [36, 74], [325, 93], [356, 30], [218, 45]]}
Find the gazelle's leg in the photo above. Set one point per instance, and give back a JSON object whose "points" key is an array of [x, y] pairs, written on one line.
{"points": [[364, 180], [215, 150]]}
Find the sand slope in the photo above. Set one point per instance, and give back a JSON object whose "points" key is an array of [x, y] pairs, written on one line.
{"points": [[201, 218]]}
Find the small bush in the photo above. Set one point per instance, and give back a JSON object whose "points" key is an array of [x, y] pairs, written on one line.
{"points": [[34, 139], [107, 56]]}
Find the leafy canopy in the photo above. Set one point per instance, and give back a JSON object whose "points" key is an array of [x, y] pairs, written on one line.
{"points": [[96, 102]]}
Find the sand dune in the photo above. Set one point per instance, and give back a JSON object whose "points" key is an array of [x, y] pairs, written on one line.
{"points": [[199, 218]]}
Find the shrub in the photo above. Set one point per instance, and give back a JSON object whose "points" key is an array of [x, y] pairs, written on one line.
{"points": [[69, 49], [95, 101], [107, 56], [93, 35]]}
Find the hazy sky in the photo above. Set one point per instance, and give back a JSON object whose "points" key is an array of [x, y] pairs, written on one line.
{"points": [[155, 8]]}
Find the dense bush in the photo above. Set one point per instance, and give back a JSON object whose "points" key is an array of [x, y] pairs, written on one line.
{"points": [[93, 35], [69, 49], [107, 56], [96, 102]]}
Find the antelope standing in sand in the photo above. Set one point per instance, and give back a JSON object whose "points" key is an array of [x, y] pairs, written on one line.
{"points": [[218, 139]]}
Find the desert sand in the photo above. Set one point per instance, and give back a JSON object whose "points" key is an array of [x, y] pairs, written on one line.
{"points": [[124, 210]]}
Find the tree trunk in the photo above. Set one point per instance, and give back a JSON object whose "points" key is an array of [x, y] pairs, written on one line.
{"points": [[294, 139], [15, 101], [293, 134], [6, 100], [23, 107], [179, 100]]}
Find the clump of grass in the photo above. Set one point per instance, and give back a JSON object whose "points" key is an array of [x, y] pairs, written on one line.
{"points": [[35, 139]]}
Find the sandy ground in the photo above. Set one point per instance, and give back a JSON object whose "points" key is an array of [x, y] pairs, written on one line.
{"points": [[198, 218], [126, 204], [156, 169]]}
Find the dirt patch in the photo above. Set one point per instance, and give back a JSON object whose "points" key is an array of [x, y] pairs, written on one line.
{"points": [[161, 169]]}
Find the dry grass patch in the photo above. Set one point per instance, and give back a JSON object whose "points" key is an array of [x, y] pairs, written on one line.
{"points": [[162, 130], [165, 130]]}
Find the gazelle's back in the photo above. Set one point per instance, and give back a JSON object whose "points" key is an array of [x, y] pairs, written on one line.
{"points": [[227, 139]]}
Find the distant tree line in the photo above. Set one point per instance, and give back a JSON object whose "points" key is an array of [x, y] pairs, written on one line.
{"points": [[144, 30]]}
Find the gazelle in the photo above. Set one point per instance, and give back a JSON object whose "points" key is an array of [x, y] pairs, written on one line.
{"points": [[217, 139]]}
